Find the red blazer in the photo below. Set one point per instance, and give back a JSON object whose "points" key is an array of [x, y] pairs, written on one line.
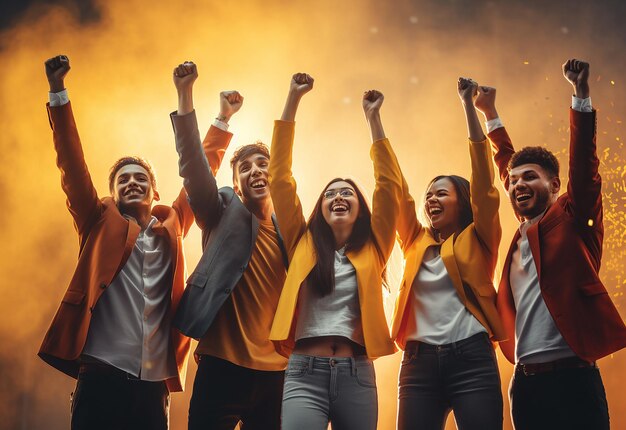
{"points": [[106, 239], [567, 248]]}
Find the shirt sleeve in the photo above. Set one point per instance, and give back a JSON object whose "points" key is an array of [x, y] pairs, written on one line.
{"points": [[220, 124], [492, 124], [582, 105], [58, 99]]}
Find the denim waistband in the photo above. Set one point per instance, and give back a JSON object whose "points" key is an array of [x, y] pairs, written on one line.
{"points": [[416, 346], [315, 362]]}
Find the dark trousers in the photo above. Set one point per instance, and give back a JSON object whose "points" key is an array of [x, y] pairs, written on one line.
{"points": [[109, 399], [461, 376], [561, 399], [224, 394]]}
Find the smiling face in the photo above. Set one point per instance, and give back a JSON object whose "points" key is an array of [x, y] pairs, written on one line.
{"points": [[340, 204], [250, 179], [132, 187], [442, 207], [532, 190]]}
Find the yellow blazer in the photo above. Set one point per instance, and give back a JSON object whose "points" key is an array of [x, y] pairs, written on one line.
{"points": [[470, 257], [369, 261]]}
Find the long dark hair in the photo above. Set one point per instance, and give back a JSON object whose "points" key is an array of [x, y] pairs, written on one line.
{"points": [[322, 277], [462, 188]]}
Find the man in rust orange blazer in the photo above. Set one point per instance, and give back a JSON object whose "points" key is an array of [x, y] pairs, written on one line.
{"points": [[112, 330], [556, 311]]}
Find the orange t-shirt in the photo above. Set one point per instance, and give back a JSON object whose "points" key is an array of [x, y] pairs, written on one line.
{"points": [[240, 331]]}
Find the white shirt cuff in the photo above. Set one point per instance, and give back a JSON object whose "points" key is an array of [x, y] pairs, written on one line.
{"points": [[58, 99], [492, 124], [221, 124], [582, 105]]}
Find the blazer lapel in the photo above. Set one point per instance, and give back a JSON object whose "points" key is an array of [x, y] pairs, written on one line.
{"points": [[447, 255], [533, 240]]}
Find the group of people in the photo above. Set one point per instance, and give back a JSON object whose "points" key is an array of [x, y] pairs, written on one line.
{"points": [[289, 312]]}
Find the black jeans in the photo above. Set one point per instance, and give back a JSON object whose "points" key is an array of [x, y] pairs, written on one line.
{"points": [[561, 399], [109, 399], [224, 394], [461, 376]]}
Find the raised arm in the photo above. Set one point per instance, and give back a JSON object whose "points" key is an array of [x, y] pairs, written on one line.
{"points": [[82, 199], [484, 197], [217, 138], [198, 179], [283, 187], [388, 188], [501, 144], [585, 183]]}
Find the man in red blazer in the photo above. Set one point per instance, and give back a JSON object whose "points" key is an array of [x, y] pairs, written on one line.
{"points": [[113, 330], [558, 315]]}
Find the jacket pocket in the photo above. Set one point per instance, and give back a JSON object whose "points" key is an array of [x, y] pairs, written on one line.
{"points": [[73, 297], [485, 290], [593, 289], [198, 279]]}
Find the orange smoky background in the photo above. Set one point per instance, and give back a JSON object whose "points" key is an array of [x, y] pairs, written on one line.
{"points": [[122, 55]]}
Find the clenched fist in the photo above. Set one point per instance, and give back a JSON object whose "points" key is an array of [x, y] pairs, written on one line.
{"points": [[56, 70]]}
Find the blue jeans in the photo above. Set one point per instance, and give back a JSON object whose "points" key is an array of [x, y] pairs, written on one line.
{"points": [[339, 390], [461, 377]]}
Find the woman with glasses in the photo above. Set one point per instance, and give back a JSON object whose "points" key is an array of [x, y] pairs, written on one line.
{"points": [[330, 319], [445, 312]]}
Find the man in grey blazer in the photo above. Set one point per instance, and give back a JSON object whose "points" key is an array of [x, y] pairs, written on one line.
{"points": [[232, 294]]}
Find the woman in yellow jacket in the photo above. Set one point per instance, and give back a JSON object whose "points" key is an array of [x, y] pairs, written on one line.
{"points": [[445, 312], [330, 320]]}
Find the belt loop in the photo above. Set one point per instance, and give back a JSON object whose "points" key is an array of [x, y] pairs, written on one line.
{"points": [[417, 348], [352, 366], [310, 365], [454, 347]]}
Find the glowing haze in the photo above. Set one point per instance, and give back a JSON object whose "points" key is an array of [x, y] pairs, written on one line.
{"points": [[413, 51]]}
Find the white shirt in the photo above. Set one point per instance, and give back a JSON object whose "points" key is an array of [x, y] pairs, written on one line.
{"points": [[437, 314], [336, 314], [130, 328]]}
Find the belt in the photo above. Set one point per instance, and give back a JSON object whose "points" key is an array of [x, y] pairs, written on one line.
{"points": [[102, 369], [417, 346], [552, 366]]}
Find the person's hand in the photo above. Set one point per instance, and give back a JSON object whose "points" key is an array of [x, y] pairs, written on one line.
{"points": [[301, 83], [467, 90], [230, 103], [185, 75], [485, 102], [577, 73], [56, 70], [372, 101]]}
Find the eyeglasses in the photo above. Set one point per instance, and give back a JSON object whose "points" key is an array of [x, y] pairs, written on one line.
{"points": [[344, 193]]}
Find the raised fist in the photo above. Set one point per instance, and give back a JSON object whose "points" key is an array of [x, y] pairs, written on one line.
{"points": [[485, 102], [372, 101], [301, 83], [577, 73], [185, 75], [56, 70], [230, 103], [467, 89]]}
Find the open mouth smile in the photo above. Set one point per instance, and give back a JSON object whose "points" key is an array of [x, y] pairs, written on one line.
{"points": [[340, 207], [522, 197], [258, 183]]}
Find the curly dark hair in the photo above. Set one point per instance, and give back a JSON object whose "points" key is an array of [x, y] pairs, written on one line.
{"points": [[125, 161], [245, 151], [536, 155]]}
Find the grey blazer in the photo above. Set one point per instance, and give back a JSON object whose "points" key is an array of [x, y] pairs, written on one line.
{"points": [[229, 233]]}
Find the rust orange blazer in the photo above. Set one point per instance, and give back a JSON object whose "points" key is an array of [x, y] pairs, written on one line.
{"points": [[470, 257], [567, 249], [106, 239]]}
